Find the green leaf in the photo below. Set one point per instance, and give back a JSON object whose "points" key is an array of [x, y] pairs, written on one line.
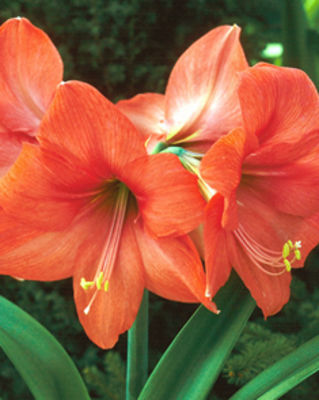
{"points": [[193, 361], [42, 362], [285, 374], [137, 352]]}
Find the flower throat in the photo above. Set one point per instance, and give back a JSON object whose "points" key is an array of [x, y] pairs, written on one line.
{"points": [[110, 250]]}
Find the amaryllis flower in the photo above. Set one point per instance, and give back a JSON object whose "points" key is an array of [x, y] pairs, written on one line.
{"points": [[90, 203], [200, 103], [30, 70], [264, 186]]}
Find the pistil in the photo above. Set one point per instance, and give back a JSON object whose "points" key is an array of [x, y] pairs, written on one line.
{"points": [[109, 253]]}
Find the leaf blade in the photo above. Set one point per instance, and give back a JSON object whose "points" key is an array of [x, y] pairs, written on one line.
{"points": [[193, 361], [41, 361]]}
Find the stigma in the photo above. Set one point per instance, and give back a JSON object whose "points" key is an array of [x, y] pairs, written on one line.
{"points": [[271, 262], [106, 264]]}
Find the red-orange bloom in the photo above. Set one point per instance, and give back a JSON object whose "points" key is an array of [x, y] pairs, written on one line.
{"points": [[90, 203], [266, 182], [30, 70], [200, 103]]}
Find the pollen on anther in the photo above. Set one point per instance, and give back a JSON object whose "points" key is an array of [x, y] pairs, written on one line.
{"points": [[99, 281], [285, 250], [86, 284], [287, 265], [297, 254]]}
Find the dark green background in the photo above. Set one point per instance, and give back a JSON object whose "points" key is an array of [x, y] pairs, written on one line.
{"points": [[124, 47]]}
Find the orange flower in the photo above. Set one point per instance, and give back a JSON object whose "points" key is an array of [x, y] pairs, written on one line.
{"points": [[264, 186], [90, 203], [200, 103], [30, 70]]}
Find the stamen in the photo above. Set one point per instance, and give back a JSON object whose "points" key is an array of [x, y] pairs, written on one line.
{"points": [[191, 162], [297, 255], [285, 250], [99, 281], [110, 249], [86, 284], [265, 258], [287, 264]]}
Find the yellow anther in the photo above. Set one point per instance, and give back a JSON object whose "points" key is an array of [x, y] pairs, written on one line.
{"points": [[86, 284], [287, 265], [297, 254], [106, 286], [285, 250], [99, 281], [290, 244]]}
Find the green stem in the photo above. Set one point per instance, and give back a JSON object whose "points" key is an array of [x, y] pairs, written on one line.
{"points": [[137, 352], [295, 37]]}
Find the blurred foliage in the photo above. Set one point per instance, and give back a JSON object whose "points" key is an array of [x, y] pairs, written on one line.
{"points": [[109, 384], [257, 349], [124, 47]]}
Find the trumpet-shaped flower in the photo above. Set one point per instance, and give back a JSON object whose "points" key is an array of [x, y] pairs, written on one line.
{"points": [[201, 102], [30, 70], [89, 202], [264, 186]]}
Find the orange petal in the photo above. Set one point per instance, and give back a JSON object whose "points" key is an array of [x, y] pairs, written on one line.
{"points": [[173, 268], [9, 151], [112, 312], [82, 147], [30, 70], [45, 195], [218, 266], [38, 255], [293, 189], [168, 196], [281, 106], [263, 222], [201, 94], [197, 236], [146, 111], [221, 166], [83, 123]]}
